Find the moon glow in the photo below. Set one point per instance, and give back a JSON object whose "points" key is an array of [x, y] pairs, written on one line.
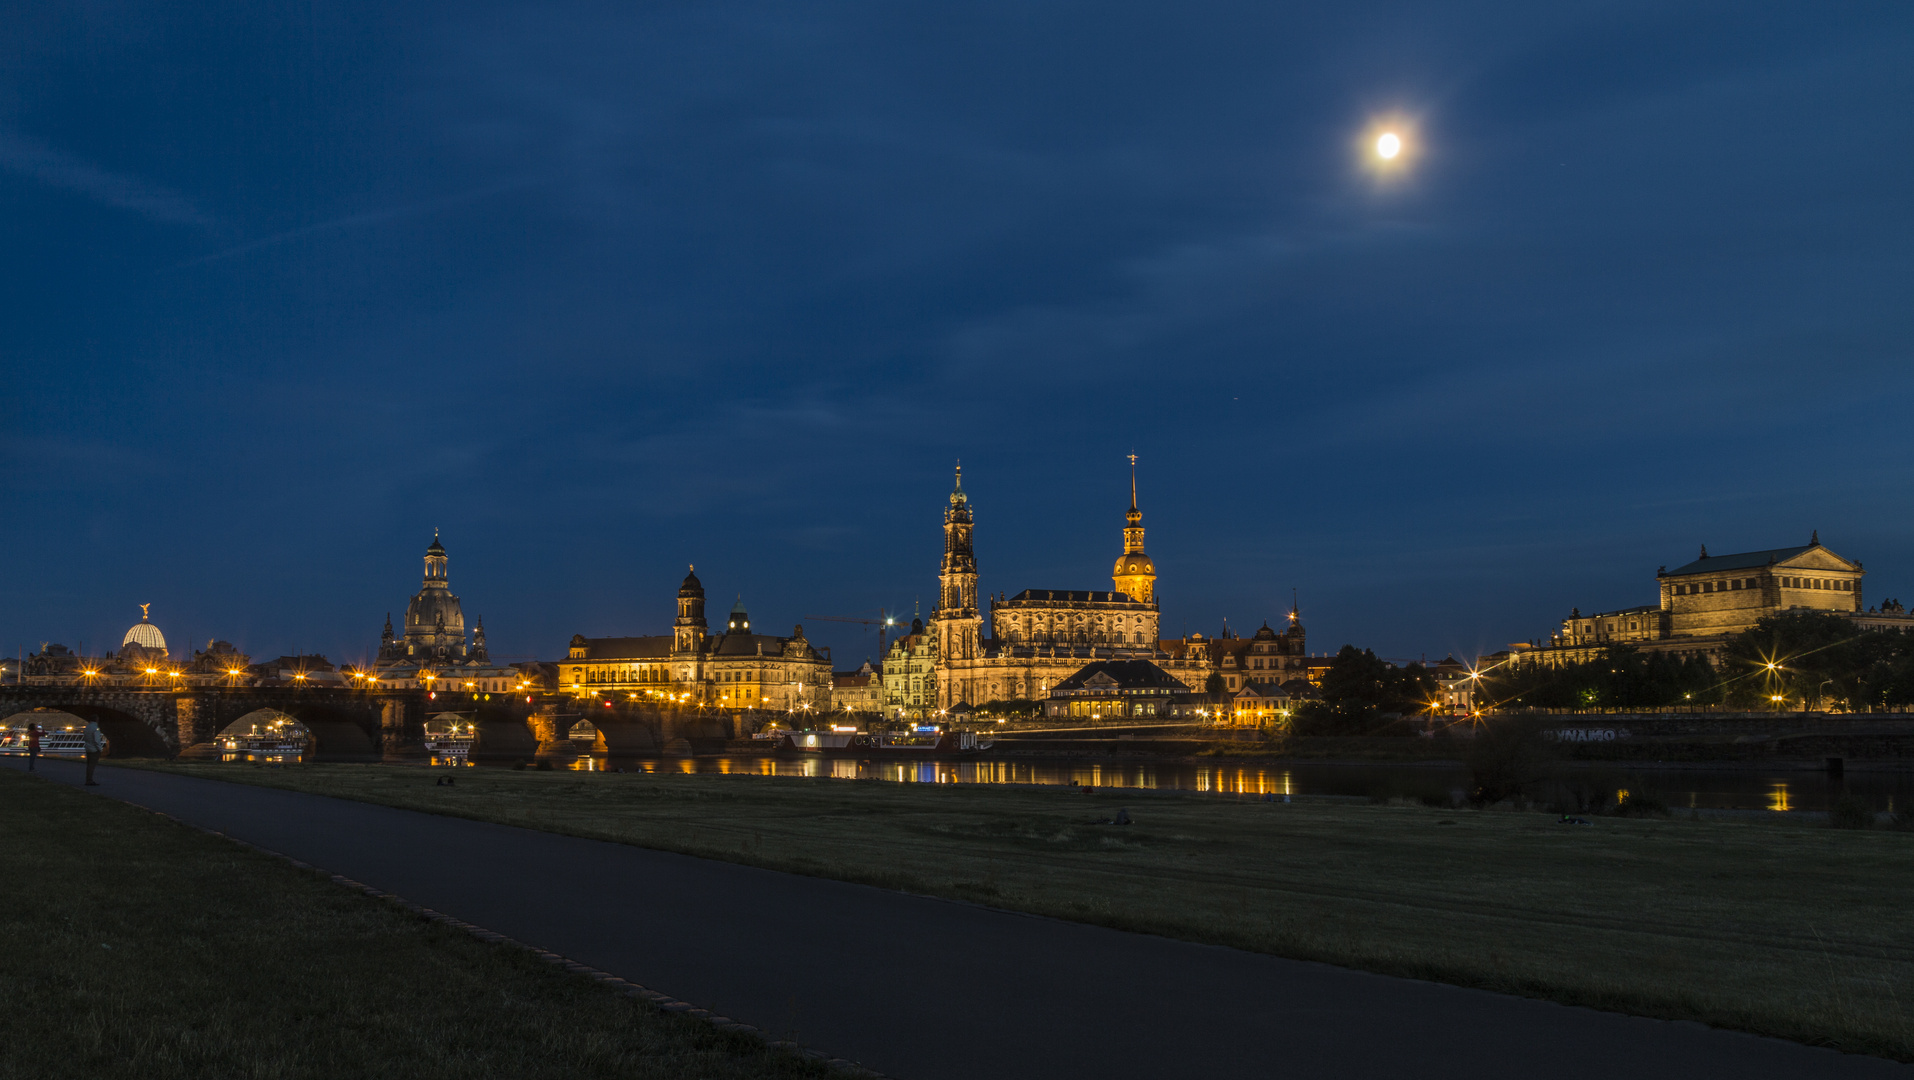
{"points": [[1388, 145]]}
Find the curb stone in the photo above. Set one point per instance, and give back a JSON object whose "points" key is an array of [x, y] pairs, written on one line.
{"points": [[664, 1002]]}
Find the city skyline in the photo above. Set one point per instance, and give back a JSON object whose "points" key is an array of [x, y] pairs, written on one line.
{"points": [[602, 293], [848, 647]]}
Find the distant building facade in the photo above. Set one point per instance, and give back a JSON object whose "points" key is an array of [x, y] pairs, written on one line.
{"points": [[1705, 603], [1116, 690], [143, 660], [736, 670], [860, 691], [910, 675], [1041, 637]]}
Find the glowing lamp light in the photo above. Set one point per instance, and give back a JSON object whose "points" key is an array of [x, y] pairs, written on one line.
{"points": [[1388, 145]]}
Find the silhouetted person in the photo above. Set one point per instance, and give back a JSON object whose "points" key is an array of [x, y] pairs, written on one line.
{"points": [[33, 746], [94, 740]]}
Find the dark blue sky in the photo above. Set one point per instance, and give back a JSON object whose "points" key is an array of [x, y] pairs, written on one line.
{"points": [[603, 289]]}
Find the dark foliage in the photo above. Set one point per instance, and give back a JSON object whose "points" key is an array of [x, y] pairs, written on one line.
{"points": [[1639, 805], [1509, 759], [1794, 660], [1851, 812], [1363, 694], [1809, 659], [1620, 678]]}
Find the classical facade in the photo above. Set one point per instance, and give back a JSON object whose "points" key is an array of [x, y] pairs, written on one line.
{"points": [[1116, 690], [433, 653], [1706, 602], [1041, 637], [910, 675], [735, 670], [860, 691], [1264, 657]]}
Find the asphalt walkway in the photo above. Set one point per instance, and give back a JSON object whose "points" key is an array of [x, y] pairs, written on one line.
{"points": [[925, 989]]}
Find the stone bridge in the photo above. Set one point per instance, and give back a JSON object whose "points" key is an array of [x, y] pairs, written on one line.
{"points": [[138, 722], [366, 725]]}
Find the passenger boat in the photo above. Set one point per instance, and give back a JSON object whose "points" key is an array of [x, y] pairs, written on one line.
{"points": [[56, 742]]}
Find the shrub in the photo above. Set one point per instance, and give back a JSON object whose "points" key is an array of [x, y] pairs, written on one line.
{"points": [[1851, 813], [1637, 805], [1508, 760]]}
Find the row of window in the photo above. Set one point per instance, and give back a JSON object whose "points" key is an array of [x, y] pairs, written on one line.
{"points": [[1732, 584]]}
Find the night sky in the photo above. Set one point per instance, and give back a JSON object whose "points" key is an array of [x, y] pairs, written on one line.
{"points": [[601, 290]]}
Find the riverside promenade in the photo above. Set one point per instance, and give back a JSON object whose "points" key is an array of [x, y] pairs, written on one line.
{"points": [[926, 989]]}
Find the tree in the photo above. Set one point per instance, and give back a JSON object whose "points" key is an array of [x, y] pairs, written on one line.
{"points": [[1818, 660], [1361, 692]]}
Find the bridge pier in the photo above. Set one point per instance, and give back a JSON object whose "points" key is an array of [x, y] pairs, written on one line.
{"points": [[401, 730]]}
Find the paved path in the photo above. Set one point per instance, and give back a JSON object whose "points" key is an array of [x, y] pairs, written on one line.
{"points": [[925, 989]]}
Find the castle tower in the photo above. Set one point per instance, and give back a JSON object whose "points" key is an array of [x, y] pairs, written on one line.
{"points": [[956, 622], [1135, 573], [688, 632]]}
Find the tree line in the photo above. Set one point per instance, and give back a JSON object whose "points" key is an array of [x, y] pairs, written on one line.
{"points": [[1792, 660]]}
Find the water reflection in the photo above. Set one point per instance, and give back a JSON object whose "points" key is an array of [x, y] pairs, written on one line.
{"points": [[1778, 790]]}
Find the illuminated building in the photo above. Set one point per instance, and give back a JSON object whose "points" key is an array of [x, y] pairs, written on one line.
{"points": [[735, 670], [143, 661], [860, 691], [432, 653], [1041, 637], [910, 674], [1706, 602]]}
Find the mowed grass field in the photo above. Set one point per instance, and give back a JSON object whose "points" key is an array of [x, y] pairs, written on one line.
{"points": [[1795, 931], [137, 947]]}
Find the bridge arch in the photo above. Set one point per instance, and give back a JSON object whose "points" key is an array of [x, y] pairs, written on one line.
{"points": [[126, 735]]}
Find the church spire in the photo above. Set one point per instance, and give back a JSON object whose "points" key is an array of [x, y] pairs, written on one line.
{"points": [[1135, 573]]}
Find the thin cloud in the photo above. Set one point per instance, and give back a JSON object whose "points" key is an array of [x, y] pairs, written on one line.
{"points": [[68, 173], [367, 217]]}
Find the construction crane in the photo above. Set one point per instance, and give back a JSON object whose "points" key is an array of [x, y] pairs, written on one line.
{"points": [[884, 621]]}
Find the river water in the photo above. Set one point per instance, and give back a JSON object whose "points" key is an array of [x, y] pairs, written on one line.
{"points": [[1772, 788]]}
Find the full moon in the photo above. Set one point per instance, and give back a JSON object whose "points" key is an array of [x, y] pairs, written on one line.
{"points": [[1389, 145]]}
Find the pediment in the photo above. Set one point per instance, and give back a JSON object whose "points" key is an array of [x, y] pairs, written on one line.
{"points": [[1818, 559]]}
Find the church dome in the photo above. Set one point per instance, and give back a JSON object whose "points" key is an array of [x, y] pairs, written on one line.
{"points": [[691, 586], [145, 635], [432, 609], [1128, 565]]}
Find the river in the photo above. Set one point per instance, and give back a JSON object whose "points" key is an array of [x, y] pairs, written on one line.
{"points": [[1774, 788]]}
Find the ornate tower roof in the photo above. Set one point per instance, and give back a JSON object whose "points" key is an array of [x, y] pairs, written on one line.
{"points": [[1135, 572]]}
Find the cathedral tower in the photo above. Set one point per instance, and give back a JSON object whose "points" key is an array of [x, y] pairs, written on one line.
{"points": [[1135, 573], [956, 622], [688, 632]]}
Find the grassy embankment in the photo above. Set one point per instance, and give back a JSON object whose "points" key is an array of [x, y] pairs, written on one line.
{"points": [[1780, 929], [139, 947]]}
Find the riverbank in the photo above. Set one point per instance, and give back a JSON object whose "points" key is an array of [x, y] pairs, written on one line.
{"points": [[138, 947], [1780, 929]]}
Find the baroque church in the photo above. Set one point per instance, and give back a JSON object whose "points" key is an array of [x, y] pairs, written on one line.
{"points": [[1041, 637], [432, 653]]}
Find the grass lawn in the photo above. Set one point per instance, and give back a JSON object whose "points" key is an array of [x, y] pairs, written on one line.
{"points": [[136, 947], [1787, 930]]}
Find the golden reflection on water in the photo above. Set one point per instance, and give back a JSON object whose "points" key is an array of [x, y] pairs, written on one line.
{"points": [[1778, 797]]}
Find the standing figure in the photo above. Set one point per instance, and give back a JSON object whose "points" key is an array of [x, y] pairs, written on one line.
{"points": [[33, 746], [94, 740]]}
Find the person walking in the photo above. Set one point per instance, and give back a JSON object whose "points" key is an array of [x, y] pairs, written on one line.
{"points": [[33, 745], [94, 741]]}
